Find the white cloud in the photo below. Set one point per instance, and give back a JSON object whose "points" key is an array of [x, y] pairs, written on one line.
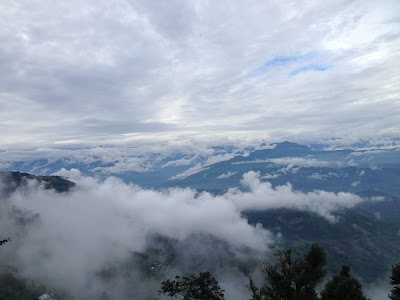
{"points": [[218, 158], [376, 198], [102, 222], [375, 168], [361, 153], [179, 162], [91, 72], [4, 165], [293, 164], [271, 176], [193, 170], [72, 174], [316, 176], [352, 163], [128, 164], [226, 175], [263, 196], [255, 161], [204, 166], [299, 162]]}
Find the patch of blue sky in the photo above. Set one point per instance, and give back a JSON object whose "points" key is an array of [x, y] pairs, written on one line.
{"points": [[284, 60], [312, 67]]}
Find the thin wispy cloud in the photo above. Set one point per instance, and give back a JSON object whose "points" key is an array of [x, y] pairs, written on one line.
{"points": [[284, 61], [318, 68]]}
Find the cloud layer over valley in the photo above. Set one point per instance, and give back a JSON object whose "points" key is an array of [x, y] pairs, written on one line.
{"points": [[97, 223]]}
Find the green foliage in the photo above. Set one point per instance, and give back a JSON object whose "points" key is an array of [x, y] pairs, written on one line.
{"points": [[369, 246], [14, 180], [343, 287], [395, 281], [292, 278], [13, 288], [200, 287], [255, 292]]}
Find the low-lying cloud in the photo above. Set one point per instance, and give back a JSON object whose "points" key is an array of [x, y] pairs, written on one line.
{"points": [[99, 222], [263, 196], [226, 175], [291, 162]]}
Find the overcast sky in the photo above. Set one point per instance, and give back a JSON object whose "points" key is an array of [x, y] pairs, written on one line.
{"points": [[75, 72]]}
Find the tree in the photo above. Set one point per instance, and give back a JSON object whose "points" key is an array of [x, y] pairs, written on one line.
{"points": [[343, 287], [395, 281], [292, 278], [200, 287]]}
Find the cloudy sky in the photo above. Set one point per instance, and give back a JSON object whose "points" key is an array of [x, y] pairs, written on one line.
{"points": [[75, 72]]}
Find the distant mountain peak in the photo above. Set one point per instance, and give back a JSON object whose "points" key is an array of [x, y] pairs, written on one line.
{"points": [[286, 145], [13, 180]]}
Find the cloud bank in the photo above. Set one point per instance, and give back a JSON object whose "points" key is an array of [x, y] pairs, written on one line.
{"points": [[71, 235]]}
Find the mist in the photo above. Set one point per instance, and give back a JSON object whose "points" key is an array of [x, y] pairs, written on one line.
{"points": [[64, 240]]}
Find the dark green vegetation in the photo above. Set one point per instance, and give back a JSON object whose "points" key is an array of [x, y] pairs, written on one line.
{"points": [[291, 278], [395, 281], [343, 287], [369, 246], [14, 180], [387, 210], [14, 288], [202, 287]]}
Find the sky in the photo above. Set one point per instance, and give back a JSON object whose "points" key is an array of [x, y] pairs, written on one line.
{"points": [[76, 73]]}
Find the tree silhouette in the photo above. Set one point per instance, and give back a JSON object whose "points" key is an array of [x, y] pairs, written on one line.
{"points": [[395, 281], [292, 278], [200, 287], [343, 287]]}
